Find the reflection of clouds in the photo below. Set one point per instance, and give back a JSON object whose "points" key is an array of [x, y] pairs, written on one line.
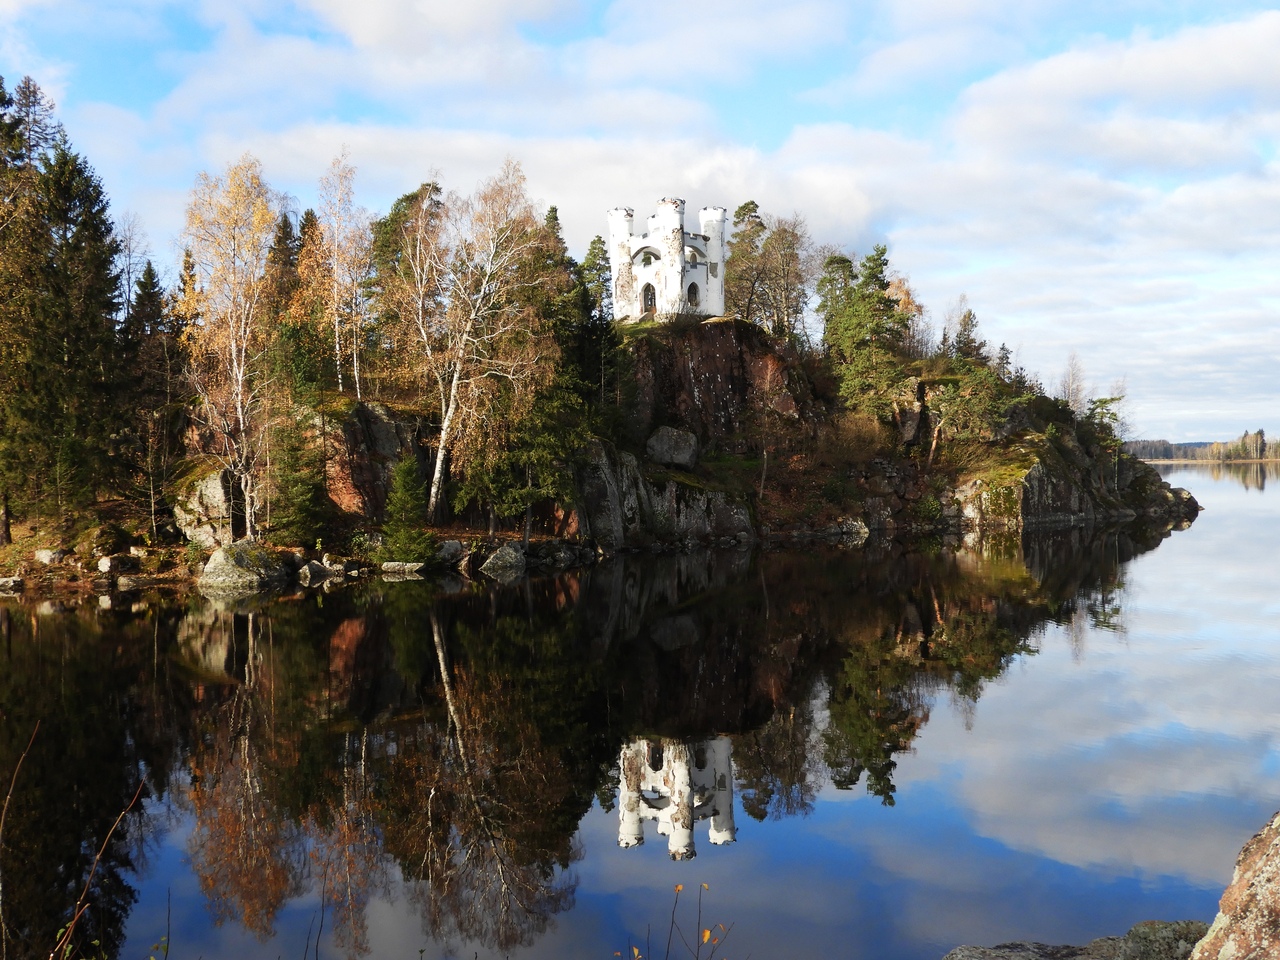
{"points": [[1155, 755]]}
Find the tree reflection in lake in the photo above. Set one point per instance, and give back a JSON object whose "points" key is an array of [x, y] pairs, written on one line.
{"points": [[442, 747], [1252, 474]]}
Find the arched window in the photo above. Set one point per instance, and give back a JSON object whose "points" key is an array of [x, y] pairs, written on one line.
{"points": [[648, 299], [654, 758], [694, 296]]}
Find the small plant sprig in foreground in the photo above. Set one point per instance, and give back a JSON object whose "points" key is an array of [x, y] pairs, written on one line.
{"points": [[711, 939]]}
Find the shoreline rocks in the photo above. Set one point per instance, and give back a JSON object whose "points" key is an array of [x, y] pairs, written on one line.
{"points": [[1150, 940], [1248, 923], [241, 569]]}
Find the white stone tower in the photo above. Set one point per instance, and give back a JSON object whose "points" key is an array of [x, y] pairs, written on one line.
{"points": [[667, 270], [676, 785]]}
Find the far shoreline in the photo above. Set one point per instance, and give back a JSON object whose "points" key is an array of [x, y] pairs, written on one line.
{"points": [[1212, 463]]}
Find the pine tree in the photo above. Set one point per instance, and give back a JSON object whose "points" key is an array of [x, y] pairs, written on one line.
{"points": [[599, 342], [968, 344], [857, 307], [404, 534], [37, 129], [742, 270]]}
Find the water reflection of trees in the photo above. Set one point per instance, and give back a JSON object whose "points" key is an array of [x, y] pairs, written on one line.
{"points": [[1251, 475], [448, 746], [106, 709]]}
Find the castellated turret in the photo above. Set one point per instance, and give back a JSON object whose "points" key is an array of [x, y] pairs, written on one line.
{"points": [[667, 270], [676, 785]]}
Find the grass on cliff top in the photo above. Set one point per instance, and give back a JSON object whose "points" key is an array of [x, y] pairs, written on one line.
{"points": [[995, 464]]}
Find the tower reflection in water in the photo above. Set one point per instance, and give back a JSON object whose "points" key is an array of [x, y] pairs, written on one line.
{"points": [[676, 785]]}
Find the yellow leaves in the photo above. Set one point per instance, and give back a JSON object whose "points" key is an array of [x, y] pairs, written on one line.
{"points": [[635, 953], [679, 888], [705, 887], [706, 935]]}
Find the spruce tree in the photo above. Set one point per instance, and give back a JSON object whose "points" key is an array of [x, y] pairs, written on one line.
{"points": [[61, 396], [282, 266], [300, 507], [597, 275], [404, 534]]}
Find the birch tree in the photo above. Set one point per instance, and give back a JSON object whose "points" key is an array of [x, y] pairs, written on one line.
{"points": [[347, 249], [467, 265], [230, 222], [1072, 387]]}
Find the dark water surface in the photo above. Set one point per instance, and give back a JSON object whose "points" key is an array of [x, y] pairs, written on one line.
{"points": [[878, 756]]}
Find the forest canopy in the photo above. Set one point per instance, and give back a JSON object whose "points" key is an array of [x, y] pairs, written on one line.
{"points": [[466, 310]]}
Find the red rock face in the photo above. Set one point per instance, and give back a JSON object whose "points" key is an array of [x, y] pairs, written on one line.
{"points": [[715, 379], [1248, 923], [360, 450]]}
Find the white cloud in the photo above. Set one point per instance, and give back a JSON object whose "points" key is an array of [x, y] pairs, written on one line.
{"points": [[415, 27], [1116, 197]]}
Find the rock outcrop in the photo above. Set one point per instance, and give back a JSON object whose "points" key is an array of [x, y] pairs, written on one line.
{"points": [[620, 507], [360, 450], [241, 569], [1248, 923], [202, 508], [1152, 940], [673, 448], [714, 379], [505, 564], [1056, 491]]}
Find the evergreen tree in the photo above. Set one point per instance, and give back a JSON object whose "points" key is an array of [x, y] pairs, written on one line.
{"points": [[404, 534], [37, 129], [282, 266], [1004, 362], [61, 399], [300, 507], [152, 351], [856, 306], [968, 344], [599, 343], [598, 276], [742, 270], [148, 307]]}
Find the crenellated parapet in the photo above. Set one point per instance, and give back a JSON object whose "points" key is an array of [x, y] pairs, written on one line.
{"points": [[667, 270], [676, 785]]}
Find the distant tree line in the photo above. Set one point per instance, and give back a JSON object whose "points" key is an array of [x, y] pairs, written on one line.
{"points": [[1249, 446]]}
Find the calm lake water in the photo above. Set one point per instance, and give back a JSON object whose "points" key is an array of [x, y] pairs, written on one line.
{"points": [[881, 755]]}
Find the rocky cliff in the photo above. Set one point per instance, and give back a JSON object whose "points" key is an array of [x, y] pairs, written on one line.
{"points": [[357, 449], [715, 379], [730, 390], [1049, 485], [619, 506]]}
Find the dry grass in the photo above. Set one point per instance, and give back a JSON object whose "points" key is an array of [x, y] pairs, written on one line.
{"points": [[850, 439]]}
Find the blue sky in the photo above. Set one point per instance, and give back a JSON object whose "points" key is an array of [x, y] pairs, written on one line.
{"points": [[1095, 176]]}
